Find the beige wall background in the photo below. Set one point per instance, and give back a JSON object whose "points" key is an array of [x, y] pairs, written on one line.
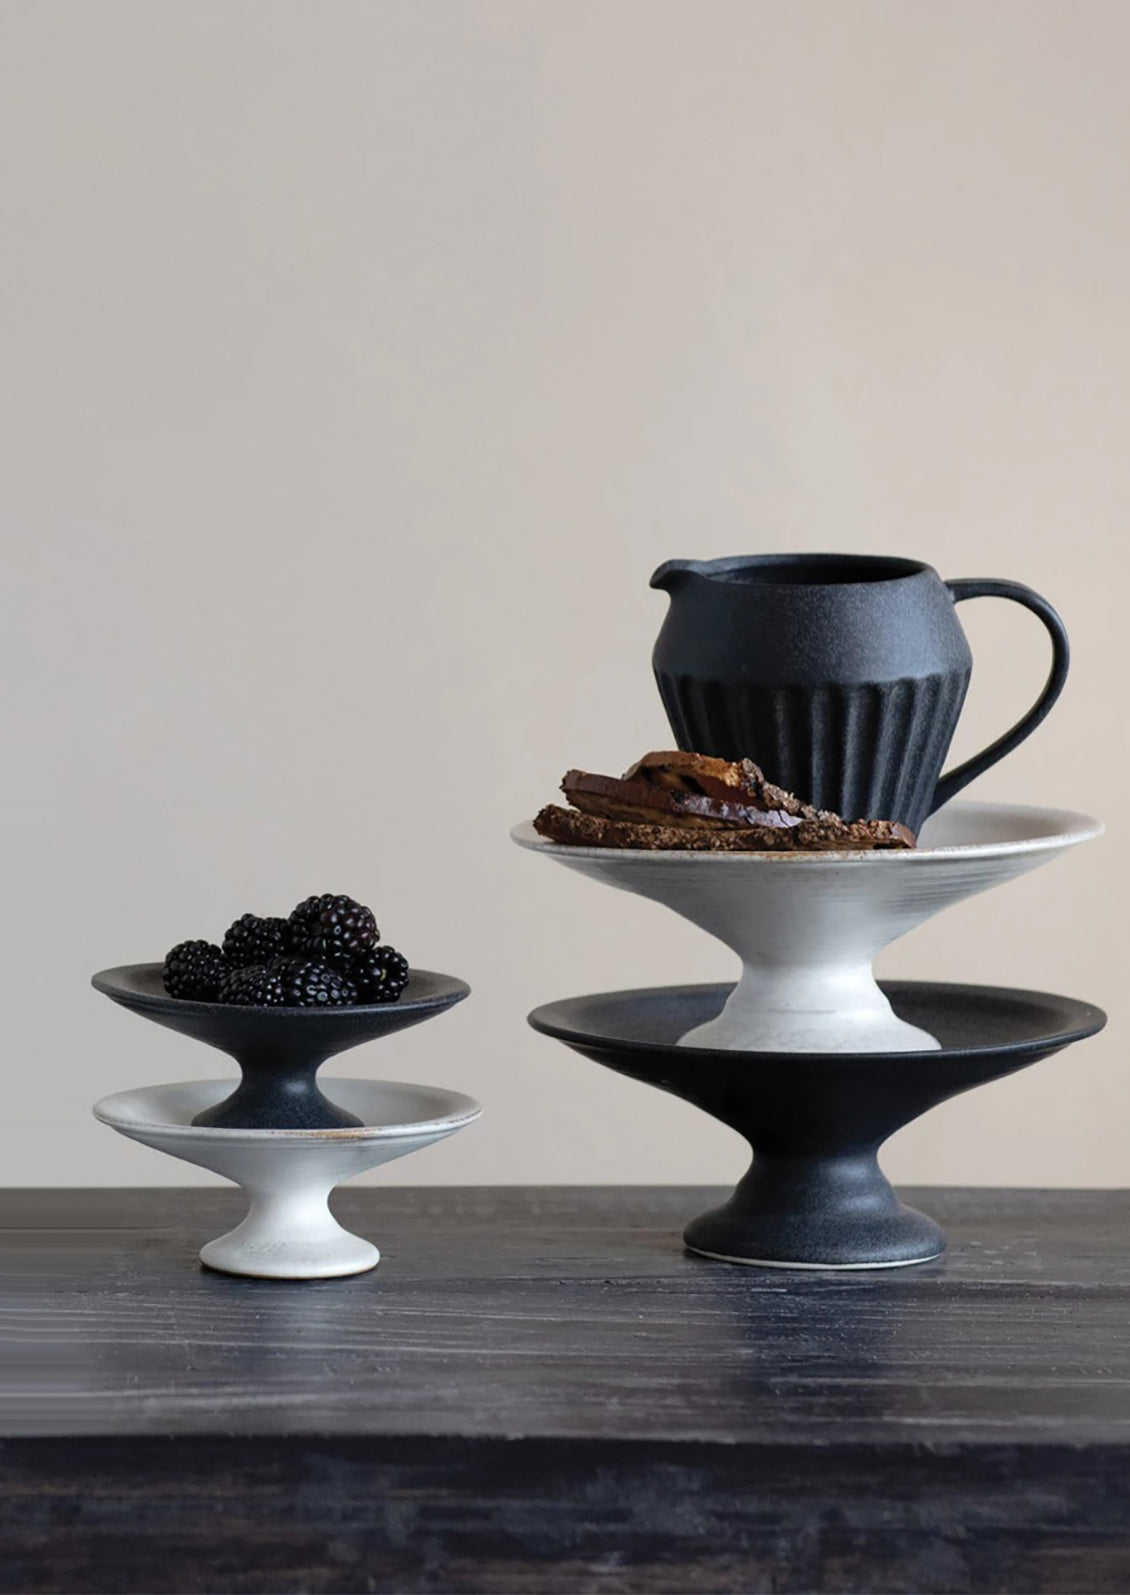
{"points": [[360, 362]]}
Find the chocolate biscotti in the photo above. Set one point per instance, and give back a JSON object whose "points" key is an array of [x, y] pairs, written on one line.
{"points": [[688, 801]]}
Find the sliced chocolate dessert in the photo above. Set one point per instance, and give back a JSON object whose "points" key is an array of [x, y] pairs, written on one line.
{"points": [[688, 801], [698, 772], [650, 802]]}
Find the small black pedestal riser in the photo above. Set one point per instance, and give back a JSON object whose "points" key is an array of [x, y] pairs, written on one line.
{"points": [[279, 1050], [815, 1196]]}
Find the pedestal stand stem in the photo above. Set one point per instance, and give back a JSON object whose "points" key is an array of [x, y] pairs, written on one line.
{"points": [[278, 1096]]}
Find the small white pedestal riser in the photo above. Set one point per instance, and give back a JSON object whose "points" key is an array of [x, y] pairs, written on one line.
{"points": [[288, 1175]]}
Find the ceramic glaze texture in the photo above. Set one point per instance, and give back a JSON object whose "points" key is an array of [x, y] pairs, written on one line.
{"points": [[807, 927], [842, 676], [289, 1231]]}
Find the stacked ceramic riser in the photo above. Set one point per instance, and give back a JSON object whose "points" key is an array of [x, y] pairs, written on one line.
{"points": [[283, 1137], [841, 678]]}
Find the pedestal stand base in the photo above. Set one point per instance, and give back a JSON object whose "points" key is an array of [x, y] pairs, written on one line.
{"points": [[824, 1009], [257, 1253], [816, 1213]]}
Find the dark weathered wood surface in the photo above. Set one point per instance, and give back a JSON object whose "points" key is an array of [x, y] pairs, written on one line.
{"points": [[538, 1390]]}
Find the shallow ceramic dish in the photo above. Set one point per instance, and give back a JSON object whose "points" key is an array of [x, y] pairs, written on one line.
{"points": [[808, 926], [289, 1231], [279, 1050], [815, 1196]]}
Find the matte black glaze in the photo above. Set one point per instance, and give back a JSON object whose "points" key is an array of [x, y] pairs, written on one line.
{"points": [[814, 1194], [540, 1391], [279, 1050], [842, 676]]}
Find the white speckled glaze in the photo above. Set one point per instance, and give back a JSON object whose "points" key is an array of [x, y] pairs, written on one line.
{"points": [[289, 1231], [808, 926]]}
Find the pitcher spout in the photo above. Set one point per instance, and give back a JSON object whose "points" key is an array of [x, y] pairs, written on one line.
{"points": [[673, 572]]}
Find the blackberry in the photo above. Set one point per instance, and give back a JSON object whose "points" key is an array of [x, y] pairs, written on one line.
{"points": [[254, 986], [252, 940], [307, 983], [195, 969], [380, 974], [332, 929]]}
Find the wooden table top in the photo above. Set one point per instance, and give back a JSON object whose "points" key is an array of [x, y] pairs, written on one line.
{"points": [[523, 1372]]}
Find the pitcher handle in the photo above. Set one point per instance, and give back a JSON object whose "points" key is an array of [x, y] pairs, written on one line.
{"points": [[953, 782]]}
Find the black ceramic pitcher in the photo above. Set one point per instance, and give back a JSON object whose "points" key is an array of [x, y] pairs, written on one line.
{"points": [[841, 675]]}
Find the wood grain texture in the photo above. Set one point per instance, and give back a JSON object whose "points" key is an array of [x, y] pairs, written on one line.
{"points": [[538, 1390]]}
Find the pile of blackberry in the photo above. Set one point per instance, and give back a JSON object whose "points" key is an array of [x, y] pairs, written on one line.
{"points": [[327, 954]]}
